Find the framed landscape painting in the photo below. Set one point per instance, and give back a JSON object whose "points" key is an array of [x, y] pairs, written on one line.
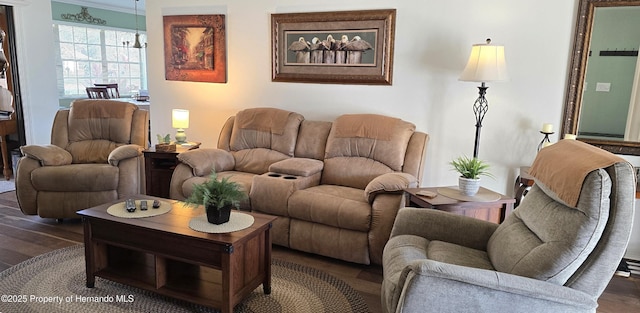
{"points": [[344, 47], [195, 48]]}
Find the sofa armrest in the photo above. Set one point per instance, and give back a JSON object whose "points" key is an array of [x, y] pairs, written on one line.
{"points": [[47, 154], [389, 183], [124, 152], [421, 282], [202, 161], [437, 225], [297, 166]]}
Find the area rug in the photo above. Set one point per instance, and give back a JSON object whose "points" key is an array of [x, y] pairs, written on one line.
{"points": [[7, 185], [55, 282]]}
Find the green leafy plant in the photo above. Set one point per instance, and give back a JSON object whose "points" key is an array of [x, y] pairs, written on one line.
{"points": [[216, 193], [471, 168]]}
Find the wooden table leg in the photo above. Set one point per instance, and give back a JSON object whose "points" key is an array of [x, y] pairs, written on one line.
{"points": [[266, 284], [6, 170], [89, 255]]}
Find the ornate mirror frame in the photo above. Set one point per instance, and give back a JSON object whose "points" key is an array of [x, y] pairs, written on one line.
{"points": [[577, 69]]}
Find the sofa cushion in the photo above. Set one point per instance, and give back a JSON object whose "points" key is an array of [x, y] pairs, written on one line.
{"points": [[312, 139], [267, 128], [336, 206], [96, 129], [47, 154], [243, 179], [256, 161], [91, 119], [297, 166], [91, 151], [353, 172], [362, 146], [547, 239], [459, 255], [389, 183], [399, 252], [75, 178]]}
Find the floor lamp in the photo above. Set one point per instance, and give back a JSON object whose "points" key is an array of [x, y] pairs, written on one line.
{"points": [[486, 64]]}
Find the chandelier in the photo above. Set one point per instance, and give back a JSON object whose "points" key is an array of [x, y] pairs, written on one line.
{"points": [[136, 43]]}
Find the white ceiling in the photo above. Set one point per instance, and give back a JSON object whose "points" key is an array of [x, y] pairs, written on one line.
{"points": [[115, 5]]}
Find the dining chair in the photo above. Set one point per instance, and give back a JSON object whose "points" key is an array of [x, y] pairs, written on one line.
{"points": [[112, 89], [97, 93]]}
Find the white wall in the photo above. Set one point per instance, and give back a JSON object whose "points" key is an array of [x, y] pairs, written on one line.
{"points": [[432, 42], [34, 40]]}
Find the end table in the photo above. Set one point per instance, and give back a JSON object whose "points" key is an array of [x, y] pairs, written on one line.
{"points": [[494, 211], [523, 184], [158, 169]]}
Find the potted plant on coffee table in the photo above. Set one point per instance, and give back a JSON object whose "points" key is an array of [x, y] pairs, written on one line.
{"points": [[470, 170], [218, 196]]}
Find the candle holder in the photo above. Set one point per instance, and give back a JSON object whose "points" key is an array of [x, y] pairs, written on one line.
{"points": [[545, 139]]}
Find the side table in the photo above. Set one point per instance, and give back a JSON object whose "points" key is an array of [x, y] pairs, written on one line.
{"points": [[494, 211], [158, 169], [523, 184]]}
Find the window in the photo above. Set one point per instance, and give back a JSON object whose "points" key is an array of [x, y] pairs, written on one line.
{"points": [[89, 55]]}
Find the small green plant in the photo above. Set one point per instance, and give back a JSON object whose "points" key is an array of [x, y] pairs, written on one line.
{"points": [[216, 193], [471, 168]]}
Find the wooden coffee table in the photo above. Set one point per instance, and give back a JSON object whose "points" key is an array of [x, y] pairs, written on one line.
{"points": [[162, 254]]}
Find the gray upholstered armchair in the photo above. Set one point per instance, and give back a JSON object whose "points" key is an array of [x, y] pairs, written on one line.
{"points": [[95, 157], [555, 253]]}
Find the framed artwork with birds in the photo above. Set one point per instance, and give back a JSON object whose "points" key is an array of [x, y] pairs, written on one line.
{"points": [[195, 48], [343, 47]]}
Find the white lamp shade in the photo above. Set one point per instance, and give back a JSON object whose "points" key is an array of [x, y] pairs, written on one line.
{"points": [[486, 63], [180, 118]]}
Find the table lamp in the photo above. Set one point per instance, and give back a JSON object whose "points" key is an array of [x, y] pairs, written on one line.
{"points": [[180, 120], [486, 64]]}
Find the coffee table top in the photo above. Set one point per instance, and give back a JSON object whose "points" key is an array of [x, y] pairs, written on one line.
{"points": [[177, 220]]}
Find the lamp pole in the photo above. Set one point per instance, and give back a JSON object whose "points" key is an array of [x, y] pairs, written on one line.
{"points": [[480, 108]]}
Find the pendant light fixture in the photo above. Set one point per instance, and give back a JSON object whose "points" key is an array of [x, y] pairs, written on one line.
{"points": [[136, 43]]}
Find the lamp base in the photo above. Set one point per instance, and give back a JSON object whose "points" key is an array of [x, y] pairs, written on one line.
{"points": [[181, 137]]}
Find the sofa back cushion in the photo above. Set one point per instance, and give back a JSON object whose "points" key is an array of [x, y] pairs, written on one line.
{"points": [[96, 127], [547, 239], [361, 147], [262, 136], [312, 139]]}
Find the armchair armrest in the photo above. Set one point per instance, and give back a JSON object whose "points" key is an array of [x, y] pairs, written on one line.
{"points": [[389, 183], [202, 161], [507, 292], [297, 166], [47, 155], [437, 225], [124, 152]]}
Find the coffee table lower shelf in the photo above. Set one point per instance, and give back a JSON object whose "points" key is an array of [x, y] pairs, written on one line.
{"points": [[190, 282], [160, 255]]}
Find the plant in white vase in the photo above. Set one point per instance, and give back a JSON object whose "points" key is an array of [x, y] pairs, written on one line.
{"points": [[470, 170]]}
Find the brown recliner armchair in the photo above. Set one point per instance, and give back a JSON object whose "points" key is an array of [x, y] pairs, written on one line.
{"points": [[95, 157]]}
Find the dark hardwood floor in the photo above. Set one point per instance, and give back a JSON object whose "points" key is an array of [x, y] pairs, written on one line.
{"points": [[23, 237]]}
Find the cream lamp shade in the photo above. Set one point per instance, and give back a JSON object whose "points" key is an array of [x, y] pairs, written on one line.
{"points": [[486, 64], [180, 120]]}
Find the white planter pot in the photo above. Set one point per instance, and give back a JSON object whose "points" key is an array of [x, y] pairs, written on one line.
{"points": [[468, 186]]}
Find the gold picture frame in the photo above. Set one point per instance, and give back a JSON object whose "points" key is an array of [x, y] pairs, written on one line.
{"points": [[343, 47], [195, 48]]}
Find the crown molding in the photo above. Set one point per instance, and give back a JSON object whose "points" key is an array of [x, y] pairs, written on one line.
{"points": [[15, 2], [105, 5]]}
